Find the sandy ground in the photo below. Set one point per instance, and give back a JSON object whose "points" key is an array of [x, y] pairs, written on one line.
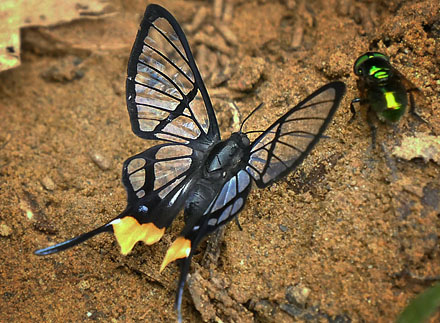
{"points": [[350, 236]]}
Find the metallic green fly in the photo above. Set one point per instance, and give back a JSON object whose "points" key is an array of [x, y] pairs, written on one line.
{"points": [[383, 89]]}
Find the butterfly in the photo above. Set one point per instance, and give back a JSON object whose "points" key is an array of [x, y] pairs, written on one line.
{"points": [[193, 169]]}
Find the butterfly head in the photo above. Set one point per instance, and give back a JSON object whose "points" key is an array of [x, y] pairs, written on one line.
{"points": [[241, 139]]}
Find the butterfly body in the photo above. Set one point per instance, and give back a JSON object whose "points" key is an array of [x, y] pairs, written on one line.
{"points": [[193, 169], [224, 161], [228, 156]]}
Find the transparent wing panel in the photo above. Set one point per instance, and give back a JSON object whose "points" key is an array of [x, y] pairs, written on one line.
{"points": [[164, 95], [289, 140]]}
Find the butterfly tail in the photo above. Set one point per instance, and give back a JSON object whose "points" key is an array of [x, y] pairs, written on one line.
{"points": [[183, 249], [184, 270], [74, 241]]}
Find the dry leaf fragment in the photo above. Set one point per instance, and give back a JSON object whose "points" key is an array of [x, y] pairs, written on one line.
{"points": [[420, 146], [25, 13]]}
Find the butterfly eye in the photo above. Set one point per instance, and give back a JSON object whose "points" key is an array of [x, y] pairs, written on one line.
{"points": [[245, 141]]}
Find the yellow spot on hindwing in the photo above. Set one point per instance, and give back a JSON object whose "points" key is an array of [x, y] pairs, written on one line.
{"points": [[128, 231], [180, 248], [391, 101]]}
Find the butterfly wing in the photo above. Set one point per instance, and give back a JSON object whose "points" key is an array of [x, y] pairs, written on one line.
{"points": [[166, 100], [166, 96], [157, 182], [227, 204], [285, 144]]}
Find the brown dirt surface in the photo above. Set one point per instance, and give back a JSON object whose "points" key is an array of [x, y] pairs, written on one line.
{"points": [[350, 236]]}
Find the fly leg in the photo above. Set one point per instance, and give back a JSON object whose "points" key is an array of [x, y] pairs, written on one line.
{"points": [[412, 106], [373, 128], [390, 163], [353, 110]]}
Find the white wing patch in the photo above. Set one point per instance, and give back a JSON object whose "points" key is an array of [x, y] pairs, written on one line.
{"points": [[227, 193], [231, 210], [147, 124], [183, 126], [174, 151], [243, 180], [166, 171], [227, 199], [140, 194], [137, 179], [135, 164], [198, 108], [170, 187]]}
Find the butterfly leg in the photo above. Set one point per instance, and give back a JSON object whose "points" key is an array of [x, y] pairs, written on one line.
{"points": [[238, 223]]}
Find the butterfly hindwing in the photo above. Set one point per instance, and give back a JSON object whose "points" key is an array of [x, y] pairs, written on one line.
{"points": [[157, 181], [157, 177], [226, 205], [229, 202], [285, 144], [166, 96]]}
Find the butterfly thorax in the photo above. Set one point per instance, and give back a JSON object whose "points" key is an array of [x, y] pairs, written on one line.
{"points": [[227, 157], [224, 161]]}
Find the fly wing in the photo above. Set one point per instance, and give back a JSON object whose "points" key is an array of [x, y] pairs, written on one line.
{"points": [[166, 96], [285, 144]]}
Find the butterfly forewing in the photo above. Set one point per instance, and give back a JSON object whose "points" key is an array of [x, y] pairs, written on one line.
{"points": [[288, 141], [166, 96]]}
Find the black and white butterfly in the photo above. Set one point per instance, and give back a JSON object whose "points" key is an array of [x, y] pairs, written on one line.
{"points": [[194, 169]]}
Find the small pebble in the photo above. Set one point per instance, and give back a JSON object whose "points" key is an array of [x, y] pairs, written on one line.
{"points": [[297, 294], [64, 70], [100, 160], [5, 230], [48, 183], [248, 73], [83, 285], [283, 228], [297, 37]]}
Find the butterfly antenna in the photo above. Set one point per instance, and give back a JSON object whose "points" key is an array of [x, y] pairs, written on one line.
{"points": [[74, 241], [253, 111]]}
